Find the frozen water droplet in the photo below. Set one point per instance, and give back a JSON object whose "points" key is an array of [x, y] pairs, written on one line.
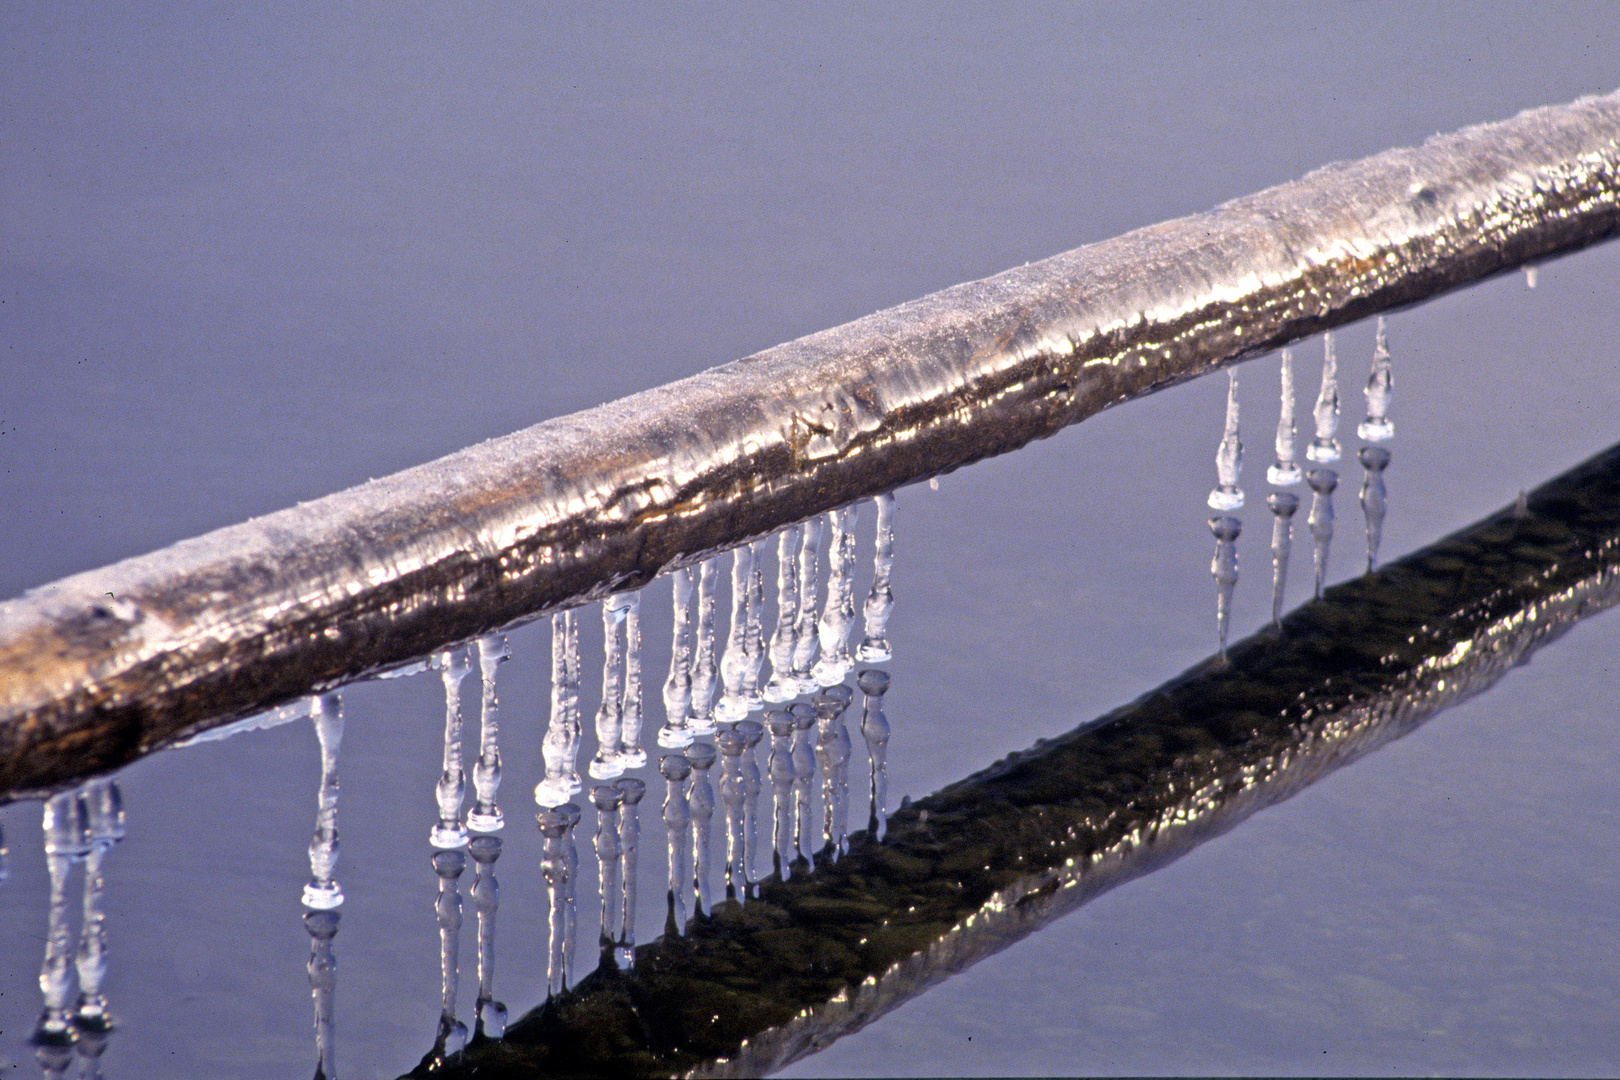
{"points": [[1375, 459], [1322, 482], [1283, 504], [1530, 276], [933, 483], [1229, 456], [1286, 470], [1378, 427], [1325, 447], [1224, 568]]}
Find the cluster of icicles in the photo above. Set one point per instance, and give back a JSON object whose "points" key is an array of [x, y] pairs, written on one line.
{"points": [[1286, 472], [712, 687]]}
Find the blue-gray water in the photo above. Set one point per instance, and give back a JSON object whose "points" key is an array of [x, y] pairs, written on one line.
{"points": [[255, 255]]}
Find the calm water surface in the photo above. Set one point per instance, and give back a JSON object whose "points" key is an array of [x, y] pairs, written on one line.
{"points": [[252, 256]]}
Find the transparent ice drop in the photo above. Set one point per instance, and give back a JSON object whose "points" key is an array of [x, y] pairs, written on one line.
{"points": [[678, 830], [875, 647], [451, 1033], [783, 685], [629, 845], [1286, 470], [704, 670], [832, 754], [560, 748], [1530, 276], [1325, 447], [323, 927], [676, 733], [1322, 482], [1375, 459], [323, 891], [485, 816], [451, 790], [838, 615], [779, 767], [733, 705], [733, 793], [610, 714], [489, 1015], [806, 642], [1378, 427], [875, 730], [1227, 495], [752, 731], [701, 801], [104, 812], [1224, 568], [1283, 505], [557, 861], [609, 854], [804, 775], [631, 755], [66, 825]]}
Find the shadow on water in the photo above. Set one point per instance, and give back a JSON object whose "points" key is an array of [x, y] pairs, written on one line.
{"points": [[753, 985]]}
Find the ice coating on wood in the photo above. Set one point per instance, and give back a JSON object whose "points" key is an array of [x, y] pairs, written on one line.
{"points": [[1285, 471], [248, 617], [1229, 455]]}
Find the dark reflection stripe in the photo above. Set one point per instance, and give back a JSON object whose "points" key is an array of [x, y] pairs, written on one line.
{"points": [[969, 870]]}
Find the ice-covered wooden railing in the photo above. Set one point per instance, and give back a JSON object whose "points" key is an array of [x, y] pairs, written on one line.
{"points": [[103, 666]]}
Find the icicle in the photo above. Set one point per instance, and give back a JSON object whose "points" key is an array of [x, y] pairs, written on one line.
{"points": [[561, 745], [703, 665], [629, 842], [4, 855], [753, 638], [609, 852], [875, 647], [610, 715], [1227, 495], [804, 775], [485, 816], [104, 813], [1286, 470], [323, 891], [875, 730], [1325, 448], [557, 861], [453, 665], [489, 1014], [733, 705], [1322, 482], [1224, 568], [452, 1033], [1283, 504], [832, 754], [806, 643], [676, 733], [783, 685], [631, 755], [1375, 459], [751, 731], [66, 827], [779, 766], [839, 612], [323, 927], [1378, 427], [1530, 277], [701, 802], [733, 793], [677, 825]]}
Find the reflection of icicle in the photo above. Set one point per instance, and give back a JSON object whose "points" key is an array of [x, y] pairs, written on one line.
{"points": [[1283, 505], [752, 731], [676, 732], [1286, 470], [733, 704], [804, 774], [452, 1033], [557, 860], [701, 802], [875, 647], [631, 755], [323, 927], [1322, 482], [1224, 568], [629, 843], [104, 813], [1229, 455], [453, 665], [560, 747], [1325, 448], [67, 839], [783, 686], [806, 643], [677, 826], [489, 1015], [610, 716], [703, 666], [832, 753], [839, 612], [1378, 427], [1375, 459], [323, 891], [733, 793], [485, 816], [779, 766], [609, 851], [875, 730]]}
